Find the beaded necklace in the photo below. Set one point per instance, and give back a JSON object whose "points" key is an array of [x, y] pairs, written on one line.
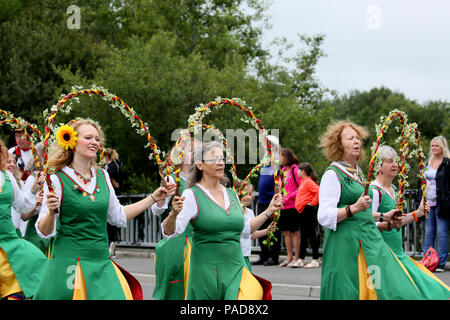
{"points": [[83, 178]]}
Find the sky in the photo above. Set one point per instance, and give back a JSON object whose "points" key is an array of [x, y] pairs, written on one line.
{"points": [[400, 44]]}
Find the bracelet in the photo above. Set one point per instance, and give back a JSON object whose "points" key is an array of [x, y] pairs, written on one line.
{"points": [[381, 217], [414, 214], [267, 215], [151, 195], [348, 211]]}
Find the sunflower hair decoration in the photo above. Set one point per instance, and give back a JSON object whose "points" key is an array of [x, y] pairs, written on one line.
{"points": [[67, 137]]}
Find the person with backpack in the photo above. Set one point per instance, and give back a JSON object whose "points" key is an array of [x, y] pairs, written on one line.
{"points": [[289, 221]]}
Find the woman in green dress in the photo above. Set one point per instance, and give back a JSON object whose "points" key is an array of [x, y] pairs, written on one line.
{"points": [[170, 254], [76, 214], [357, 263], [217, 267], [383, 207], [21, 263]]}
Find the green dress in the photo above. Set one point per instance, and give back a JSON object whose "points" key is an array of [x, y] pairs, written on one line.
{"points": [[430, 286], [357, 263], [170, 257], [24, 259], [80, 256], [217, 266]]}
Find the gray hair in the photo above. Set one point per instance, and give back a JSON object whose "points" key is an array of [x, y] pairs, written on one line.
{"points": [[387, 152], [200, 149], [31, 165]]}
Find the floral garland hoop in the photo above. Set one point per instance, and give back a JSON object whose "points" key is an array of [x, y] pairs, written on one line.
{"points": [[21, 124], [115, 102]]}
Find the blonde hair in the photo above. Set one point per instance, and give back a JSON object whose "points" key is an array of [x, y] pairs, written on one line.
{"points": [[442, 142], [59, 157], [331, 142], [111, 154]]}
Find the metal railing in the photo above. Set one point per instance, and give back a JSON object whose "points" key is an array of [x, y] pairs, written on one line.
{"points": [[144, 231]]}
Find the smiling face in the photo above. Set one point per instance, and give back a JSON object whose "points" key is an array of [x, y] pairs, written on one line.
{"points": [[11, 164], [436, 149], [248, 198], [21, 141], [88, 141], [351, 144]]}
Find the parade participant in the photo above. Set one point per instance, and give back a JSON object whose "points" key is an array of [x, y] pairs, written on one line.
{"points": [[170, 254], [21, 263], [383, 207], [82, 203], [217, 267], [23, 152], [252, 224], [357, 263]]}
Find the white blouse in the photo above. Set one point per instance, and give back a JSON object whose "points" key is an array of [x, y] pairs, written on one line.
{"points": [[190, 209], [329, 196], [22, 201], [116, 213]]}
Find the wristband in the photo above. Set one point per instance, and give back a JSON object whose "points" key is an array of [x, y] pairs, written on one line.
{"points": [[381, 217], [151, 195], [348, 211], [267, 215], [414, 214]]}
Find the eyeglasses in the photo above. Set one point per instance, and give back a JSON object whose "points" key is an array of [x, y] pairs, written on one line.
{"points": [[215, 161]]}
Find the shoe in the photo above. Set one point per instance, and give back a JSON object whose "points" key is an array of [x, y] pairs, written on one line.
{"points": [[270, 262], [285, 263], [259, 262], [296, 264], [313, 264], [439, 269]]}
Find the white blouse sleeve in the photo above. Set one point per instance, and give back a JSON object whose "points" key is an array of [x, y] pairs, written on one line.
{"points": [[44, 209], [156, 210], [188, 213], [22, 201], [116, 213], [329, 195]]}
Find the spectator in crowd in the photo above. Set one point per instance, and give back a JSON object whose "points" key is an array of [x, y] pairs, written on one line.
{"points": [[289, 221], [268, 255], [251, 223], [23, 153], [306, 203], [437, 176], [12, 167], [383, 206], [352, 240], [114, 168]]}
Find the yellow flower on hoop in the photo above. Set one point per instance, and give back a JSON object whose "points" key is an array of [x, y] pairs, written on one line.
{"points": [[67, 137]]}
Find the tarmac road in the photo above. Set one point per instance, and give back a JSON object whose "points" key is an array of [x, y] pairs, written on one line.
{"points": [[287, 283]]}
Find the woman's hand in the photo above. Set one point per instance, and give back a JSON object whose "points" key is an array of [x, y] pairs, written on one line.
{"points": [[388, 215], [177, 204], [38, 183], [275, 204], [39, 199], [362, 204], [52, 203], [164, 192]]}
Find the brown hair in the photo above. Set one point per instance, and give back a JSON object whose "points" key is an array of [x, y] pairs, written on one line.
{"points": [[331, 142], [307, 167], [290, 156], [59, 157]]}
